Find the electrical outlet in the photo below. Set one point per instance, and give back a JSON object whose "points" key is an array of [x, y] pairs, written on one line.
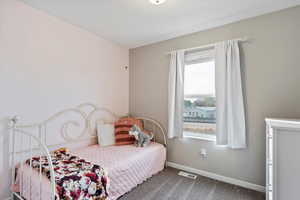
{"points": [[203, 153]]}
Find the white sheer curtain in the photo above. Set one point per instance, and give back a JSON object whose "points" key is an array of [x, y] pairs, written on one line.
{"points": [[231, 129], [176, 95]]}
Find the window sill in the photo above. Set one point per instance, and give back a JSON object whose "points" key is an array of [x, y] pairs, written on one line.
{"points": [[199, 136]]}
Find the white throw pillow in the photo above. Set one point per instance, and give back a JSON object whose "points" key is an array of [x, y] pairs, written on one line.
{"points": [[105, 133]]}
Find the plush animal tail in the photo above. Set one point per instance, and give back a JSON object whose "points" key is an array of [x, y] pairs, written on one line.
{"points": [[151, 136]]}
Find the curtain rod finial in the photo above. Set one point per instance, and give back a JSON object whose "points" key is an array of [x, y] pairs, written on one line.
{"points": [[15, 119]]}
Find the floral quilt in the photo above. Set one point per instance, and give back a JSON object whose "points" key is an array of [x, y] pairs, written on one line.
{"points": [[76, 179]]}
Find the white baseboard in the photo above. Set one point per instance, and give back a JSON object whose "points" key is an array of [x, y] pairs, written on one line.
{"points": [[218, 177]]}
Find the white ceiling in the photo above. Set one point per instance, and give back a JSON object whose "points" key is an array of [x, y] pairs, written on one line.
{"points": [[134, 23]]}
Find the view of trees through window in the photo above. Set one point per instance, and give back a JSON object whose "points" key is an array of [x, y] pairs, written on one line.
{"points": [[199, 98]]}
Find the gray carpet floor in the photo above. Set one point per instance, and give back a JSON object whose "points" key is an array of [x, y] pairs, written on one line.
{"points": [[167, 185]]}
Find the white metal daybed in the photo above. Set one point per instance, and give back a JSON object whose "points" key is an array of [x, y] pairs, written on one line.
{"points": [[127, 165]]}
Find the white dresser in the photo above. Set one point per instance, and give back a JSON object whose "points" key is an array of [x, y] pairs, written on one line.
{"points": [[283, 159]]}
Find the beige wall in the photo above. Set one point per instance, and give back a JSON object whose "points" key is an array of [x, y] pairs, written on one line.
{"points": [[47, 65], [271, 73]]}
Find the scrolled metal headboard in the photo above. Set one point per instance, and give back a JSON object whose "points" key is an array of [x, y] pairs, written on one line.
{"points": [[146, 120], [90, 114], [86, 120], [64, 128]]}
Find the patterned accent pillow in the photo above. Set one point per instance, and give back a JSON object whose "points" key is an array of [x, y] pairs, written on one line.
{"points": [[122, 127]]}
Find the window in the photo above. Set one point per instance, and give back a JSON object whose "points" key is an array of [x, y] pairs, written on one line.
{"points": [[200, 100]]}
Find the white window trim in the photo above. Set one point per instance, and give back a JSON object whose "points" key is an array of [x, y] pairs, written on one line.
{"points": [[199, 136], [199, 56]]}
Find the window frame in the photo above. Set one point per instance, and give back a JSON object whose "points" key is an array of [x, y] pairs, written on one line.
{"points": [[193, 58]]}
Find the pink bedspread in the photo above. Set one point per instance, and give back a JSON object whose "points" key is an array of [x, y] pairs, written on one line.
{"points": [[127, 166]]}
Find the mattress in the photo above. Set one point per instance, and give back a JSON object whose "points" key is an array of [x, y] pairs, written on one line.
{"points": [[127, 166]]}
